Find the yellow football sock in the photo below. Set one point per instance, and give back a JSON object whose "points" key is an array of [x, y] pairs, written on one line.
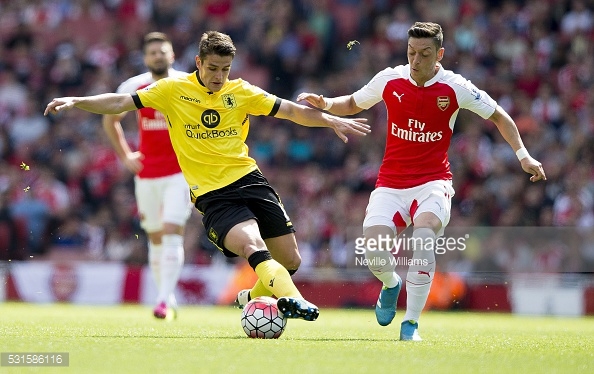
{"points": [[276, 279], [259, 290]]}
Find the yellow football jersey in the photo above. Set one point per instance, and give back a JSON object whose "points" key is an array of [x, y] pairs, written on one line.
{"points": [[208, 129]]}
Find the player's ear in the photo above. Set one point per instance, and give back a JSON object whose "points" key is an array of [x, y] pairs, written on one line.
{"points": [[197, 58], [440, 52]]}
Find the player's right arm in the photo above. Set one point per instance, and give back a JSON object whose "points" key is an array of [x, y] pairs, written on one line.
{"points": [[366, 97], [340, 106], [109, 103], [115, 133]]}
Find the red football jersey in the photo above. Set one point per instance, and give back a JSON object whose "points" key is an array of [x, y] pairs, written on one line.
{"points": [[159, 158], [420, 122]]}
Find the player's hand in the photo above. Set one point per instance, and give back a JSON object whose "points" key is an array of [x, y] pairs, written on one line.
{"points": [[344, 126], [532, 166], [58, 105], [133, 162], [314, 100]]}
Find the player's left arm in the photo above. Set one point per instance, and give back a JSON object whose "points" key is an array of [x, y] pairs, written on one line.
{"points": [[310, 117], [107, 103], [508, 129]]}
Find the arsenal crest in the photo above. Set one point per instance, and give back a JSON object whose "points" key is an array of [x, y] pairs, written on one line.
{"points": [[64, 282], [443, 102]]}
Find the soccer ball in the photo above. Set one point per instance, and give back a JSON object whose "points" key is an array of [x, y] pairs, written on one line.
{"points": [[262, 319]]}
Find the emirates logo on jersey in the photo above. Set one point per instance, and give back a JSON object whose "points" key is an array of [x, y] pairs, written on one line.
{"points": [[443, 102]]}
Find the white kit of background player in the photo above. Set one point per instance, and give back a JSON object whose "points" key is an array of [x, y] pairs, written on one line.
{"points": [[161, 191]]}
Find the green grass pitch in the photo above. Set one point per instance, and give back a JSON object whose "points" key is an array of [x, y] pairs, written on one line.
{"points": [[127, 339]]}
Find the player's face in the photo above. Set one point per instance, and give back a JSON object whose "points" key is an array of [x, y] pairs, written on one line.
{"points": [[158, 57], [422, 57], [214, 71]]}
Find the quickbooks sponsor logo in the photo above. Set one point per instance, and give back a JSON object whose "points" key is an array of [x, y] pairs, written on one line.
{"points": [[207, 134], [211, 118]]}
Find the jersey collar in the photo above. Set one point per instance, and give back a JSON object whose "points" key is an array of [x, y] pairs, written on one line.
{"points": [[201, 84], [435, 78]]}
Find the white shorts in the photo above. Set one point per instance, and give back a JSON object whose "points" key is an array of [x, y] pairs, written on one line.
{"points": [[398, 208], [162, 200]]}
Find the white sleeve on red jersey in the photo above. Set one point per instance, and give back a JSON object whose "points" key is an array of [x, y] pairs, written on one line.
{"points": [[132, 84], [469, 96], [139, 81], [371, 93]]}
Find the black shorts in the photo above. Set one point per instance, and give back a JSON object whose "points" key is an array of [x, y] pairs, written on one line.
{"points": [[249, 197]]}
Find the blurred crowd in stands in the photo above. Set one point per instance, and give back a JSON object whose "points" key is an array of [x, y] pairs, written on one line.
{"points": [[63, 190]]}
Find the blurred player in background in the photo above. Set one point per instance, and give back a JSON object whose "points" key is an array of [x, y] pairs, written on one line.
{"points": [[414, 185], [161, 191], [208, 122]]}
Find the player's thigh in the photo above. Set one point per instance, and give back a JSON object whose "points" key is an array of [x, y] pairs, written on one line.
{"points": [[148, 194], [436, 197], [275, 225], [263, 201], [176, 200], [386, 208], [221, 212], [243, 239]]}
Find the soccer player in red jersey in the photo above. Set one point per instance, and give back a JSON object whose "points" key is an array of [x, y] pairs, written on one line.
{"points": [[161, 191], [414, 185]]}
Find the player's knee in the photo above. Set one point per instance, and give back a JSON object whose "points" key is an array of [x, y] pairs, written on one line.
{"points": [[172, 229], [155, 237], [380, 262], [293, 263]]}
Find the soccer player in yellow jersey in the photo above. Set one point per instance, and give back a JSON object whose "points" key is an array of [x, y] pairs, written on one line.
{"points": [[208, 122]]}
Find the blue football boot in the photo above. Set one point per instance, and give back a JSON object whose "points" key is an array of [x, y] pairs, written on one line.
{"points": [[409, 330], [385, 308]]}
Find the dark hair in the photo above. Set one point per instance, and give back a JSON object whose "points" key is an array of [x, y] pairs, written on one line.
{"points": [[215, 43], [427, 30], [155, 36]]}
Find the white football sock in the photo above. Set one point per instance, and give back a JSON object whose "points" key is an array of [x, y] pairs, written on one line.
{"points": [[420, 273], [154, 259], [172, 261]]}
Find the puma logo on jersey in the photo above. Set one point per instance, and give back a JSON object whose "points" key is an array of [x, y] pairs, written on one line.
{"points": [[271, 284], [398, 96]]}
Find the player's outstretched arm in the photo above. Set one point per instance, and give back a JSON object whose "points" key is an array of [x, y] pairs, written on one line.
{"points": [[340, 106], [109, 103], [309, 117], [508, 129], [115, 133]]}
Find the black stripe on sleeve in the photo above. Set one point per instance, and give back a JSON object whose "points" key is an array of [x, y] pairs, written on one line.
{"points": [[277, 104], [137, 101]]}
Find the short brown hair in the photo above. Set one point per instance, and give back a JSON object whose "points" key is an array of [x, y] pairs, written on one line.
{"points": [[427, 30], [215, 43], [155, 36]]}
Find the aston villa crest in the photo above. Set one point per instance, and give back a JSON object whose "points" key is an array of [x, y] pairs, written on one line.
{"points": [[443, 102], [229, 101]]}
